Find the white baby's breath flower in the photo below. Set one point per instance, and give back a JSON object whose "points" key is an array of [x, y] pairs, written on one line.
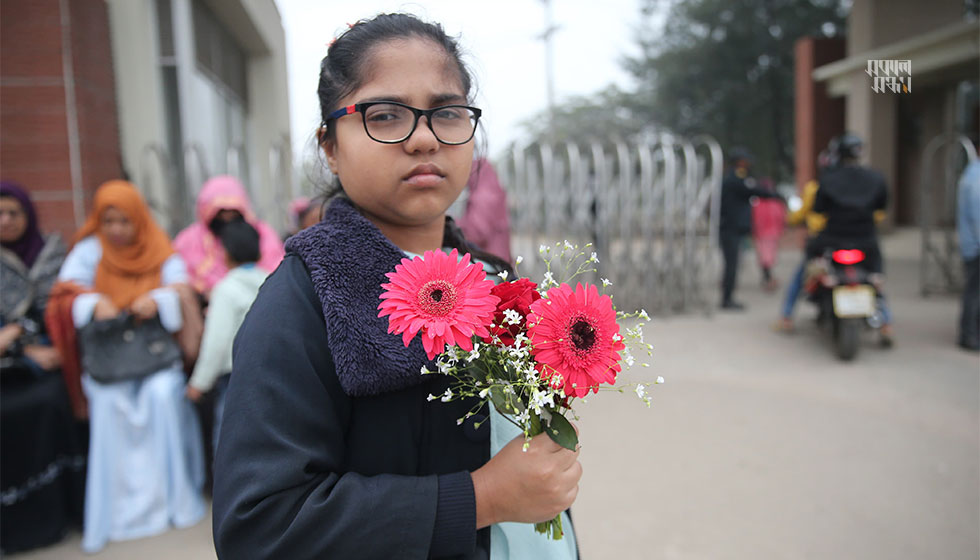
{"points": [[431, 397], [640, 390], [475, 353], [660, 380], [484, 393], [503, 275], [594, 258], [548, 279], [606, 282], [520, 259], [643, 314], [424, 371], [512, 317], [447, 396], [628, 358], [617, 337], [459, 421], [568, 246], [543, 249]]}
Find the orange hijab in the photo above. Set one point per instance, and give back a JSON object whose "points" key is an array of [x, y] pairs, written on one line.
{"points": [[125, 273]]}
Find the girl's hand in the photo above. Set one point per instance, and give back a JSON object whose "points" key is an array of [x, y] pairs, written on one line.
{"points": [[105, 309], [45, 356], [8, 334], [145, 307], [526, 487], [193, 394]]}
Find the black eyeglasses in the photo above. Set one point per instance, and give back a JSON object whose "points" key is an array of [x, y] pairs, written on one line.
{"points": [[390, 122]]}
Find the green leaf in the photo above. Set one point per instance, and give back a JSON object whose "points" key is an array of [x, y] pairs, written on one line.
{"points": [[560, 431], [535, 423]]}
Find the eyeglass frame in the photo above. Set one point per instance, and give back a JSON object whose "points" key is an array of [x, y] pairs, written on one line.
{"points": [[418, 113]]}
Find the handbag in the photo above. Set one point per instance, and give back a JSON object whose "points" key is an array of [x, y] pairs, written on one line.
{"points": [[122, 348]]}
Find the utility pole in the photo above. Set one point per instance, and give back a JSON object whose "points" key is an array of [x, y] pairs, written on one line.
{"points": [[549, 64]]}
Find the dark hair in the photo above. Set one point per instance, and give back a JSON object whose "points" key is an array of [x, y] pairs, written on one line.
{"points": [[241, 241], [342, 70], [216, 225]]}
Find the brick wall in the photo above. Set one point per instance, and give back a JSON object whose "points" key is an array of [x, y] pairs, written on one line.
{"points": [[34, 110]]}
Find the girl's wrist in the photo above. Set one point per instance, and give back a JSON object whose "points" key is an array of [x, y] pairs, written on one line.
{"points": [[483, 495]]}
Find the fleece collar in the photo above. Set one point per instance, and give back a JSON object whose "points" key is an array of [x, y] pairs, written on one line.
{"points": [[347, 257]]}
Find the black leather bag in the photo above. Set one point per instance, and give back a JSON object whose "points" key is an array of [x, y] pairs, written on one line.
{"points": [[121, 348]]}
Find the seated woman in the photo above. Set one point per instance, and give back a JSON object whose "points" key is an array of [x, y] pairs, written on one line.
{"points": [[42, 456], [222, 200], [146, 464]]}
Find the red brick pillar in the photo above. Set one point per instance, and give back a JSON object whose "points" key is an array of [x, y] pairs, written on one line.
{"points": [[818, 117], [57, 105]]}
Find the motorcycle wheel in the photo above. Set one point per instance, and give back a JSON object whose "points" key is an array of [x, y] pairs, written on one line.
{"points": [[847, 337]]}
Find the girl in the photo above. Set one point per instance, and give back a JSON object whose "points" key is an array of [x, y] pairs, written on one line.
{"points": [[222, 199], [145, 466], [329, 447]]}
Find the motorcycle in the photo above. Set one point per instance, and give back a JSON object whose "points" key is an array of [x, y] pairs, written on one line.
{"points": [[847, 295]]}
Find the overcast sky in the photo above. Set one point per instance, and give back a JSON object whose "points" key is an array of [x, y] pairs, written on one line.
{"points": [[501, 39]]}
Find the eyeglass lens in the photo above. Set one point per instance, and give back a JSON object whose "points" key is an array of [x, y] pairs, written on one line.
{"points": [[393, 123]]}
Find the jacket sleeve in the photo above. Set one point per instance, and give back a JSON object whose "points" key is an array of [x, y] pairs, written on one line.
{"points": [[280, 489], [219, 333]]}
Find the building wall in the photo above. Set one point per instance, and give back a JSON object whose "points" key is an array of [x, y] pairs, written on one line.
{"points": [[897, 127], [60, 134], [207, 121]]}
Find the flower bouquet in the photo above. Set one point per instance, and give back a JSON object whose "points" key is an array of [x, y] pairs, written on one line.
{"points": [[529, 350]]}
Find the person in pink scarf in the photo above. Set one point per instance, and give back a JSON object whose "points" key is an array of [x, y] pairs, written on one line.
{"points": [[768, 220], [485, 222], [222, 200]]}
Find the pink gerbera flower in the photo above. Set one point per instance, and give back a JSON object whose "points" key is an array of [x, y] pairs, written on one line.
{"points": [[574, 336], [446, 298]]}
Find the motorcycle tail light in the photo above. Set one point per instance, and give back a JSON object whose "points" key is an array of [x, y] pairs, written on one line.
{"points": [[848, 256]]}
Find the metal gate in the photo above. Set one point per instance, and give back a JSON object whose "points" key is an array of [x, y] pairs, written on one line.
{"points": [[650, 209], [940, 269]]}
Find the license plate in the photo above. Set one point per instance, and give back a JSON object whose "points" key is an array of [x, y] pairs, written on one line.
{"points": [[854, 301]]}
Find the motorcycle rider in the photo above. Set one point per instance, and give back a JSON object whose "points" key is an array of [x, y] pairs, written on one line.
{"points": [[848, 196], [804, 215]]}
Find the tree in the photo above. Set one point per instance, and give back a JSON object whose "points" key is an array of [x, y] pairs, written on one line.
{"points": [[721, 67]]}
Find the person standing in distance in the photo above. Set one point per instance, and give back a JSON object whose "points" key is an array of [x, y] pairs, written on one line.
{"points": [[737, 190]]}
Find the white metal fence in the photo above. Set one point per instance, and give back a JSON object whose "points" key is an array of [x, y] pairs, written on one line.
{"points": [[650, 209]]}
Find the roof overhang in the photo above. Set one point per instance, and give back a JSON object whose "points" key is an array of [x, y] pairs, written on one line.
{"points": [[930, 52]]}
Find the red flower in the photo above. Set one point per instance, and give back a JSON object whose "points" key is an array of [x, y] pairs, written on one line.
{"points": [[518, 296], [574, 335], [448, 299]]}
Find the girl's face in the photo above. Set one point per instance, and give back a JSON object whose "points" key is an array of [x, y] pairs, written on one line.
{"points": [[117, 228], [13, 219], [410, 184]]}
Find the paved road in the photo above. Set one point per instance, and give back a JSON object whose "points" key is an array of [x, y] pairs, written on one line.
{"points": [[763, 445]]}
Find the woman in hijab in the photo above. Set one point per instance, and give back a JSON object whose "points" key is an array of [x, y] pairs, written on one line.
{"points": [[222, 200], [42, 456], [146, 465]]}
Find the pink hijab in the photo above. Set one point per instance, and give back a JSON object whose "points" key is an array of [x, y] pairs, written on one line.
{"points": [[485, 222], [202, 251]]}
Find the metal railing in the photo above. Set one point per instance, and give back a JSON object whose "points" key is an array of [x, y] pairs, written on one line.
{"points": [[940, 269], [650, 209]]}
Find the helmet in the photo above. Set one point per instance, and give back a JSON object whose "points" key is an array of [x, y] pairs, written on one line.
{"points": [[739, 153], [849, 146]]}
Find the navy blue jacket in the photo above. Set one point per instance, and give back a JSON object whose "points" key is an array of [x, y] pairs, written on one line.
{"points": [[320, 457]]}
